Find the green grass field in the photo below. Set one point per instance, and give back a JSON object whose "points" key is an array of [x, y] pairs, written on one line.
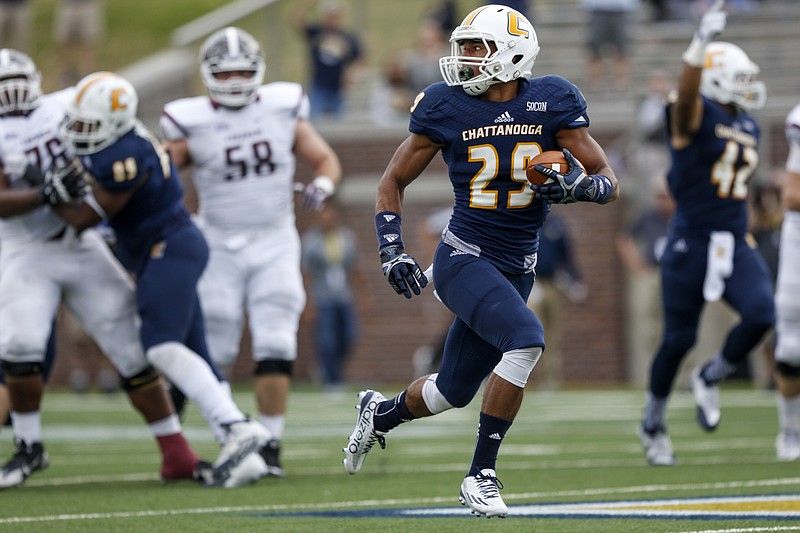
{"points": [[570, 447]]}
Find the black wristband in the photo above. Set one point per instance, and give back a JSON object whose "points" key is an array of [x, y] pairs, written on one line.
{"points": [[389, 230]]}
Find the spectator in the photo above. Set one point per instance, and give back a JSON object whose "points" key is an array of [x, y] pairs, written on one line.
{"points": [[650, 154], [330, 261], [610, 23], [640, 246], [391, 98], [421, 62], [409, 73], [15, 24], [557, 277], [335, 56], [79, 26]]}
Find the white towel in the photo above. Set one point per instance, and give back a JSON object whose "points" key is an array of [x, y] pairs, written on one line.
{"points": [[720, 264]]}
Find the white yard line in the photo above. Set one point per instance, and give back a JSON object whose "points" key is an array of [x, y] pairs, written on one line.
{"points": [[411, 502]]}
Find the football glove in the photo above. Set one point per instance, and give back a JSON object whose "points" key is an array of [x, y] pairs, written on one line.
{"points": [[712, 23], [402, 271], [568, 188], [316, 193], [63, 185]]}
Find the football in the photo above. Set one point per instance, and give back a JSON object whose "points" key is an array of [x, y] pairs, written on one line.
{"points": [[552, 158]]}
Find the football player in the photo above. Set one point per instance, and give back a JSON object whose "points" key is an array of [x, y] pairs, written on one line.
{"points": [[488, 120], [137, 190], [713, 142], [242, 141], [787, 302], [43, 264]]}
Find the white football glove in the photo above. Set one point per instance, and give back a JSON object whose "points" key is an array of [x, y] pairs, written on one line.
{"points": [[712, 23], [317, 192]]}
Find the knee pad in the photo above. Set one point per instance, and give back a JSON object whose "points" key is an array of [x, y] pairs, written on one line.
{"points": [[787, 370], [516, 365], [434, 400], [21, 370], [274, 366], [147, 377]]}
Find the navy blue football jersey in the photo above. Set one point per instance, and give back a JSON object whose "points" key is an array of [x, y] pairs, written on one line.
{"points": [[487, 146], [709, 177], [137, 161]]}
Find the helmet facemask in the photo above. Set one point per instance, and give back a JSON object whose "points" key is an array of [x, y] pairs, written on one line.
{"points": [[20, 82], [232, 67]]}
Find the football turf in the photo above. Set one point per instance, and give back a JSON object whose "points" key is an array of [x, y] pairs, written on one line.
{"points": [[571, 462]]}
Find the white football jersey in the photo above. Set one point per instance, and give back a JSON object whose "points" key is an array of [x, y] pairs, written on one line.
{"points": [[793, 137], [244, 163], [35, 135], [787, 287]]}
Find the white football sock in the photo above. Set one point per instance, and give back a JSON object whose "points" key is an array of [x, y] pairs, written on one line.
{"points": [[192, 375], [789, 413], [273, 423], [166, 426], [27, 426]]}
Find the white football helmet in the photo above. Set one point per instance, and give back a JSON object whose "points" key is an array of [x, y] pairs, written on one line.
{"points": [[516, 49], [729, 77], [102, 111], [232, 50], [20, 82]]}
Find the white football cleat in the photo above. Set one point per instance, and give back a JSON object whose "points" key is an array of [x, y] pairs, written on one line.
{"points": [[249, 470], [364, 436], [787, 445], [657, 447], [245, 438], [706, 397], [482, 494]]}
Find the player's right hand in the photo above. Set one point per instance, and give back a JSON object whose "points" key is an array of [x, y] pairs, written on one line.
{"points": [[402, 271], [567, 188], [712, 23]]}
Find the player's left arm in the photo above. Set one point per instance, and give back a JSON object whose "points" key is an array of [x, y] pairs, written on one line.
{"points": [[586, 150], [313, 148]]}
